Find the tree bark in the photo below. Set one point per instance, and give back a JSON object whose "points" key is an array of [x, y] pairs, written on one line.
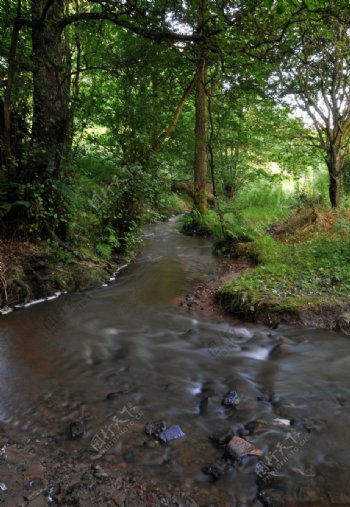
{"points": [[335, 164], [201, 138], [51, 115], [8, 131]]}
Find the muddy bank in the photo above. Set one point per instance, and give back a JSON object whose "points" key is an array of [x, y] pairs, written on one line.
{"points": [[202, 299], [36, 271], [326, 315], [211, 300]]}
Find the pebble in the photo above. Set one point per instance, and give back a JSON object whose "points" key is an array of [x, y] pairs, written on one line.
{"points": [[3, 486], [76, 429], [238, 447], [155, 428], [172, 433], [231, 399], [217, 468]]}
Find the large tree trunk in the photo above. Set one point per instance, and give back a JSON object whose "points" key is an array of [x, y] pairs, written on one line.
{"points": [[51, 116], [335, 164], [8, 128], [201, 139]]}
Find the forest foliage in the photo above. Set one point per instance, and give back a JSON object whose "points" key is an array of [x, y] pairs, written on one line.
{"points": [[110, 109]]}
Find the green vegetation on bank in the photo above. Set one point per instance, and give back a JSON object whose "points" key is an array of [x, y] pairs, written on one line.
{"points": [[294, 274], [299, 248]]}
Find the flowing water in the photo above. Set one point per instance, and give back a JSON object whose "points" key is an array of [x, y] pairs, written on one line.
{"points": [[59, 361]]}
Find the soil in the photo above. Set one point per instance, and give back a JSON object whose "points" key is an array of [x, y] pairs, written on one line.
{"points": [[203, 300], [34, 271]]}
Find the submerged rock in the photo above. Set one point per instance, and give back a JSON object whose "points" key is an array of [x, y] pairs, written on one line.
{"points": [[155, 428], [217, 468], [222, 438], [231, 399], [274, 399], [238, 448], [172, 433], [76, 429]]}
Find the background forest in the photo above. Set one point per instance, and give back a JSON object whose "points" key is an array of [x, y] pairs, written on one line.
{"points": [[115, 113]]}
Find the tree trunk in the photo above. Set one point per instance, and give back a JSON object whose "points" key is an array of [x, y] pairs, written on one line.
{"points": [[8, 130], [335, 164], [201, 139], [51, 115]]}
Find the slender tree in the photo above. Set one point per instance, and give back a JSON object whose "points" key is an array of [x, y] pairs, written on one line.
{"points": [[316, 71]]}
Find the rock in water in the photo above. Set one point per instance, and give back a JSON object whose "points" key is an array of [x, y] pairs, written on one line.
{"points": [[238, 448], [155, 428], [231, 399], [216, 469], [172, 433], [76, 429]]}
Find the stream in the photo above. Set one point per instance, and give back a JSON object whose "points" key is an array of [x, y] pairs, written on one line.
{"points": [[122, 355]]}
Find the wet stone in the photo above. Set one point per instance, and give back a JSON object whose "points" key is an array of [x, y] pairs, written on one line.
{"points": [[155, 428], [238, 447], [264, 397], [172, 433], [76, 429], [231, 399], [54, 489], [274, 399], [222, 438], [217, 468], [117, 394]]}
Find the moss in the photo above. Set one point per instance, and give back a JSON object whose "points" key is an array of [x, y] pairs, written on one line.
{"points": [[293, 275]]}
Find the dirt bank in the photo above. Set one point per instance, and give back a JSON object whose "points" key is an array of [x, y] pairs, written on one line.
{"points": [[34, 271], [211, 300]]}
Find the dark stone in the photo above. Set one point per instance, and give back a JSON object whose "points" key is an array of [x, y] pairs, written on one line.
{"points": [[231, 399], [302, 426], [264, 397], [203, 405], [251, 427], [155, 428], [54, 489], [217, 468], [221, 438], [172, 433], [101, 475], [275, 399], [115, 395], [76, 429]]}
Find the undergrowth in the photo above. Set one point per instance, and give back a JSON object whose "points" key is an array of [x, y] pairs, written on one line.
{"points": [[309, 266]]}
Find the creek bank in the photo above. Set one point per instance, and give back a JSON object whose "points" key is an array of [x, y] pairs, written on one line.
{"points": [[212, 299], [30, 272], [326, 315]]}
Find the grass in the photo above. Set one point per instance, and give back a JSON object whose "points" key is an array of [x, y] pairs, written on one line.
{"points": [[305, 265]]}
